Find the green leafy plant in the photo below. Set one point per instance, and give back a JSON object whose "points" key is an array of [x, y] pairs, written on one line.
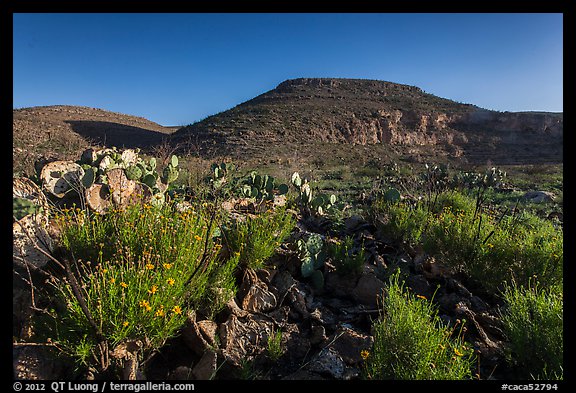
{"points": [[131, 277], [488, 247], [262, 187], [254, 238], [411, 342], [345, 260], [312, 256], [533, 323], [274, 345], [307, 202], [22, 207]]}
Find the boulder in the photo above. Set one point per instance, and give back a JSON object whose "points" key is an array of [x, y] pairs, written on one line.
{"points": [[206, 367], [349, 343], [368, 289], [255, 294], [328, 363], [539, 196], [242, 338]]}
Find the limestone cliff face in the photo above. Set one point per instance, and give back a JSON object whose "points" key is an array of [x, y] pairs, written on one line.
{"points": [[370, 112]]}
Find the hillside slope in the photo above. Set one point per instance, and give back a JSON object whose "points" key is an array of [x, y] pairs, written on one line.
{"points": [[368, 112], [64, 131]]}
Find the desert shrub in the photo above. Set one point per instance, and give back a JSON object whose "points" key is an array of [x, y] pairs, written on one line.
{"points": [[254, 238], [134, 274], [488, 248], [411, 343], [533, 323], [401, 221]]}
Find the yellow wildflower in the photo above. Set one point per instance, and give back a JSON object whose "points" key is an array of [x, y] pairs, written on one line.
{"points": [[170, 281], [364, 353], [160, 312], [177, 310], [145, 304], [153, 290], [125, 323], [112, 280], [123, 284], [149, 266], [197, 237], [167, 265], [457, 352]]}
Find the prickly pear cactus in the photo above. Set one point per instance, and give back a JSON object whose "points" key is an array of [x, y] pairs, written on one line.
{"points": [[98, 198], [120, 186], [133, 172], [312, 254], [170, 174], [60, 177], [129, 157], [30, 226], [88, 157]]}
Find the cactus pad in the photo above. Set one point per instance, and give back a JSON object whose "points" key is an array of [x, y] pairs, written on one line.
{"points": [[59, 177]]}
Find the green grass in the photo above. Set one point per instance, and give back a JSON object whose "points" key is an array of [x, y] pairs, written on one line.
{"points": [[411, 343], [533, 323]]}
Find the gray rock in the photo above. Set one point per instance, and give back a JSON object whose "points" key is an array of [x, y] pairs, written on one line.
{"points": [[206, 367], [36, 363], [194, 338], [181, 373], [539, 196], [420, 285], [339, 285], [368, 290], [303, 375], [317, 334], [348, 344], [478, 305], [255, 294], [208, 330], [242, 337], [328, 362]]}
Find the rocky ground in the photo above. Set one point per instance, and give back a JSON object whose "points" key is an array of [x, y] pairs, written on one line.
{"points": [[322, 331]]}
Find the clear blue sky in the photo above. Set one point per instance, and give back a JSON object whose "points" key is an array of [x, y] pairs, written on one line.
{"points": [[175, 69]]}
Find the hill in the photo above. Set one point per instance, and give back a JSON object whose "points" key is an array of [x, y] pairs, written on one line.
{"points": [[309, 123], [409, 122], [64, 131]]}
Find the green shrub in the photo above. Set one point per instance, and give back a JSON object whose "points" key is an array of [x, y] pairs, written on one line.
{"points": [[274, 345], [411, 343], [532, 323], [490, 249], [138, 271], [345, 261], [254, 238]]}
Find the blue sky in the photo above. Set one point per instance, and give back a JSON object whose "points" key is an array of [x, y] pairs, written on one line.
{"points": [[175, 69]]}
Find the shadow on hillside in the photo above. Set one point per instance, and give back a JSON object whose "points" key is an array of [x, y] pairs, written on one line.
{"points": [[114, 134]]}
